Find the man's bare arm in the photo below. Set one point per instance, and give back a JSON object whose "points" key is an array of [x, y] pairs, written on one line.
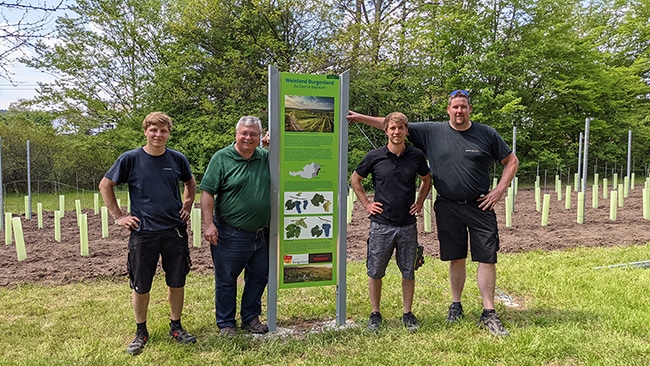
{"points": [[210, 232], [510, 166], [376, 122], [189, 192]]}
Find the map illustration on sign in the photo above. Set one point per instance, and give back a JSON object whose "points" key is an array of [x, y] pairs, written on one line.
{"points": [[309, 171]]}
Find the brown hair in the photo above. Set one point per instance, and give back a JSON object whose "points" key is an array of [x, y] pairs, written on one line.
{"points": [[459, 94], [396, 117], [157, 118]]}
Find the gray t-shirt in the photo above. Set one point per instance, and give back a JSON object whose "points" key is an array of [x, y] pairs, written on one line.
{"points": [[460, 160]]}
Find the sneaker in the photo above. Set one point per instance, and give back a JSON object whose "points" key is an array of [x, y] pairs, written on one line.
{"points": [[492, 322], [182, 336], [136, 347], [410, 322], [255, 326], [374, 321], [228, 332], [455, 312]]}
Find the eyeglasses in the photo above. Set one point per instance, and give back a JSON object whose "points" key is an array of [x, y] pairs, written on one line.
{"points": [[253, 135], [461, 92]]}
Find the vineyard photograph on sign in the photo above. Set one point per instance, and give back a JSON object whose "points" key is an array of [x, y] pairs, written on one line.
{"points": [[308, 114]]}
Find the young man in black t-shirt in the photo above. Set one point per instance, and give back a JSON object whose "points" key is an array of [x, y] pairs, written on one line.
{"points": [[157, 222], [394, 169]]}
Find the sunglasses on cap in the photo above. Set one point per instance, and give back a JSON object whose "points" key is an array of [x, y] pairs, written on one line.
{"points": [[461, 92]]}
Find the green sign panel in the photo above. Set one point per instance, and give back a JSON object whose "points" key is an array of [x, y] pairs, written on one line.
{"points": [[308, 179]]}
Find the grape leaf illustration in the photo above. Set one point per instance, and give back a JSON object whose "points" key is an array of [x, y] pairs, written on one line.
{"points": [[317, 199], [289, 205], [326, 206], [293, 231], [316, 231], [301, 222]]}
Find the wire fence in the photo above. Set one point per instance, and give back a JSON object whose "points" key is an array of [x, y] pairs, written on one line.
{"points": [[567, 175], [47, 191]]}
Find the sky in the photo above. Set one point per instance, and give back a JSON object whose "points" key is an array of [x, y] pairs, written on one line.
{"points": [[24, 79]]}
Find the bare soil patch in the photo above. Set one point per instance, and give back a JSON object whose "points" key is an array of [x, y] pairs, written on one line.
{"points": [[52, 262]]}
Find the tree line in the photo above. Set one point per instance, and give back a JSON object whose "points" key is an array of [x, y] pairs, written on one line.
{"points": [[541, 66]]}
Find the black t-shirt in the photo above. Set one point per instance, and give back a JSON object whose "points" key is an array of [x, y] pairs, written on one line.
{"points": [[460, 160], [153, 186], [394, 179]]}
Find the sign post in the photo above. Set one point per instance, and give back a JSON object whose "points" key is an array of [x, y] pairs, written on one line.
{"points": [[308, 162]]}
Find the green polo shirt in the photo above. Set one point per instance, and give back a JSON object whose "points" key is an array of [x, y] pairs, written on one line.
{"points": [[242, 187]]}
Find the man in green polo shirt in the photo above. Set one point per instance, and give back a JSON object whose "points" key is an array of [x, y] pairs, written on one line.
{"points": [[236, 210]]}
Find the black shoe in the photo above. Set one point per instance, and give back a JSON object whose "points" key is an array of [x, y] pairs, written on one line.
{"points": [[255, 326], [492, 322], [182, 336], [374, 321], [410, 322], [455, 312], [137, 345]]}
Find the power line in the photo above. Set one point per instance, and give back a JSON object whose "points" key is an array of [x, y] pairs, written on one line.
{"points": [[17, 86]]}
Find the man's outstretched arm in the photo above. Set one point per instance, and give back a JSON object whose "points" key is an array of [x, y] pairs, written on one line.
{"points": [[376, 122]]}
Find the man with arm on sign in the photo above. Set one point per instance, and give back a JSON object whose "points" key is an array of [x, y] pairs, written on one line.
{"points": [[157, 222], [394, 168], [460, 153]]}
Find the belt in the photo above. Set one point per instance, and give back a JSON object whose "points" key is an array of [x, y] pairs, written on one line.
{"points": [[256, 232], [463, 202]]}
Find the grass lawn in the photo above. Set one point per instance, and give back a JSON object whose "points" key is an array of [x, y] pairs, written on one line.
{"points": [[566, 313]]}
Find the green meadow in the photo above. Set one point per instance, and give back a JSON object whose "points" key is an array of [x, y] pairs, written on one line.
{"points": [[559, 310]]}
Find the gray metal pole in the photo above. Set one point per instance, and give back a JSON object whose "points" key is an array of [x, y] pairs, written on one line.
{"points": [[28, 208], [629, 158], [514, 151], [586, 155], [514, 140], [274, 166], [580, 156], [341, 285]]}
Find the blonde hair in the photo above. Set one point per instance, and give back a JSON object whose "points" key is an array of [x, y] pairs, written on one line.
{"points": [[396, 117], [157, 118]]}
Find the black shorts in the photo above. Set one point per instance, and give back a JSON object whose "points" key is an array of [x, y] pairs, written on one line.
{"points": [[144, 250], [455, 221]]}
